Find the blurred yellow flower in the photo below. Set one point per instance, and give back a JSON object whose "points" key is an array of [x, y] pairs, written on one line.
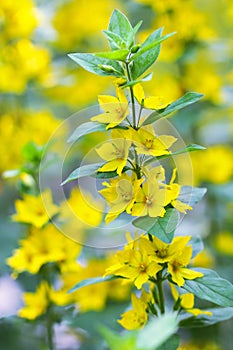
{"points": [[224, 243], [18, 19], [27, 125], [43, 246], [35, 303], [214, 165], [20, 63], [92, 18], [32, 210], [204, 259]]}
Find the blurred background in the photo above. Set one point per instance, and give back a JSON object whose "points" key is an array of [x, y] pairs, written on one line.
{"points": [[40, 87]]}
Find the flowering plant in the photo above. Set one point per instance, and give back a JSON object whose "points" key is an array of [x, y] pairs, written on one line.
{"points": [[137, 185]]}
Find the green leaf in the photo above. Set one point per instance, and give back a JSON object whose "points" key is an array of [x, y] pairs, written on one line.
{"points": [[189, 148], [211, 287], [91, 281], [145, 48], [116, 55], [171, 344], [84, 129], [191, 195], [120, 25], [117, 341], [197, 245], [93, 64], [184, 101], [32, 152], [115, 41], [134, 82], [85, 170], [163, 228], [156, 332], [107, 174], [147, 54], [218, 315]]}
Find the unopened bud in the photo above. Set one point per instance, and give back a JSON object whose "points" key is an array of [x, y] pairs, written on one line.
{"points": [[106, 68], [135, 48]]}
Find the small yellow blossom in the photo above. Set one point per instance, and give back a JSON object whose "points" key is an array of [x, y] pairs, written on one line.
{"points": [[163, 252], [177, 267], [187, 302], [120, 195], [135, 318], [115, 109], [31, 209], [172, 193], [135, 265], [148, 143], [150, 200], [152, 102], [115, 152]]}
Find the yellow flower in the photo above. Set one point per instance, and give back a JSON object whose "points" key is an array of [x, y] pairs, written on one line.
{"points": [[41, 247], [224, 243], [147, 143], [187, 302], [35, 303], [150, 200], [172, 193], [120, 195], [205, 259], [154, 175], [31, 209], [152, 102], [81, 210], [135, 265], [115, 109], [135, 318], [163, 252], [177, 267], [19, 18], [115, 152], [219, 159]]}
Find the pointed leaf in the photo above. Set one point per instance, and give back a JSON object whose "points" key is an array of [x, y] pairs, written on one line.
{"points": [[156, 332], [119, 24], [118, 341], [191, 195], [93, 64], [211, 287], [189, 148], [85, 170], [134, 82], [171, 344], [197, 245], [115, 41], [184, 101], [85, 129], [146, 48], [218, 315], [163, 228], [116, 55], [91, 281]]}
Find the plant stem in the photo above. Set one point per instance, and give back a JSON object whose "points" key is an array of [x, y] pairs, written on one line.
{"points": [[50, 332], [160, 290], [131, 95]]}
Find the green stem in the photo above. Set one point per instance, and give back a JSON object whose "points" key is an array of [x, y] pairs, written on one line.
{"points": [[131, 95], [160, 290], [50, 332]]}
